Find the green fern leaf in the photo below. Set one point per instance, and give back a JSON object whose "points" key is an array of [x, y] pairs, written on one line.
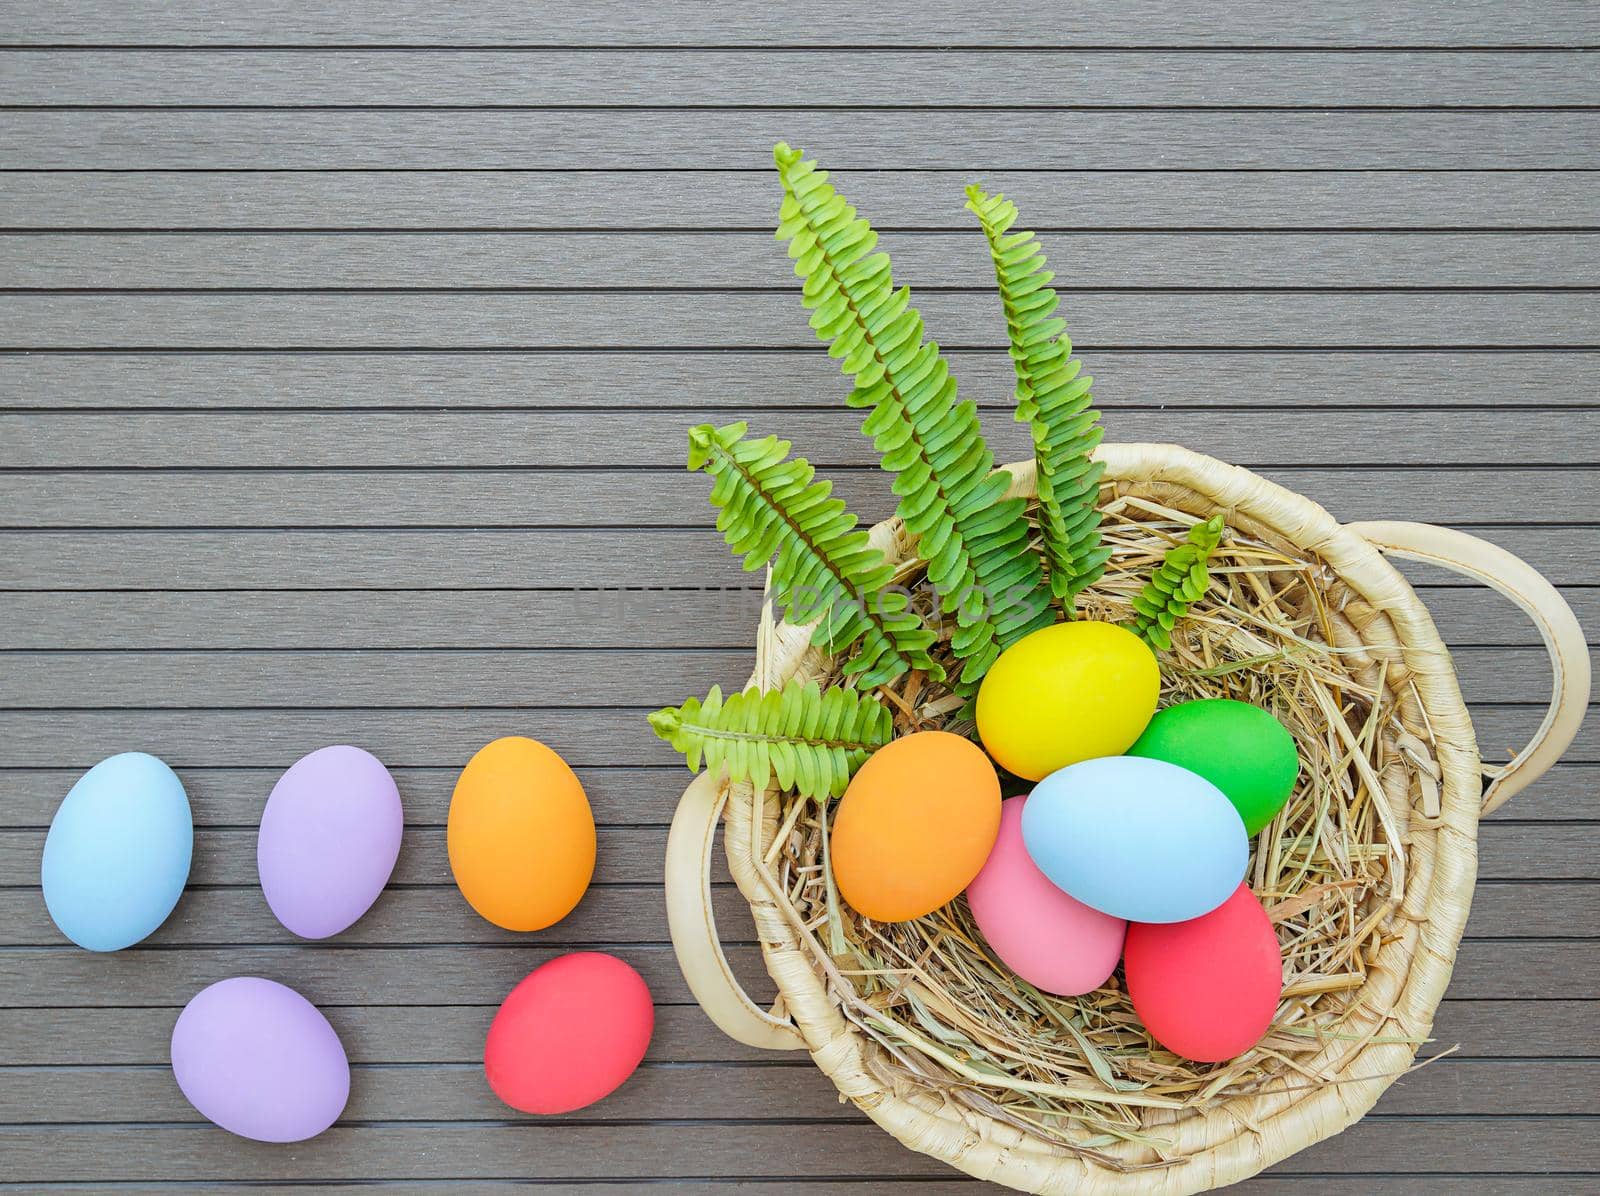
{"points": [[1053, 398], [811, 741], [768, 503], [1178, 583], [974, 539]]}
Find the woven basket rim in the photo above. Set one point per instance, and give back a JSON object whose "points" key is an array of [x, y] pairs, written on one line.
{"points": [[1242, 1135]]}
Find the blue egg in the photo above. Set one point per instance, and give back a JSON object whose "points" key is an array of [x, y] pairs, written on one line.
{"points": [[1138, 839], [117, 855]]}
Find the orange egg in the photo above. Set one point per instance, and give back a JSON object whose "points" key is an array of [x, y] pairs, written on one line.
{"points": [[521, 835], [915, 826]]}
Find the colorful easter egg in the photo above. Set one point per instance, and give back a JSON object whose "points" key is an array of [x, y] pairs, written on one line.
{"points": [[1067, 693], [260, 1060], [1206, 989], [117, 854], [1138, 839], [1052, 940], [1239, 748], [329, 839], [915, 826], [521, 835], [569, 1034]]}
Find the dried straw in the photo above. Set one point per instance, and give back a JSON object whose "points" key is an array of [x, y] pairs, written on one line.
{"points": [[951, 1028], [1330, 869]]}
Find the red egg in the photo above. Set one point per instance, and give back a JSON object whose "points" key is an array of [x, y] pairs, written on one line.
{"points": [[569, 1034], [1207, 988]]}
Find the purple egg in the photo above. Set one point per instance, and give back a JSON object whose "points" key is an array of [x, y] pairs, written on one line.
{"points": [[260, 1060], [329, 838]]}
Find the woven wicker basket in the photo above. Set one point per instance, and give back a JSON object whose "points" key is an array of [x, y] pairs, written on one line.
{"points": [[1436, 792]]}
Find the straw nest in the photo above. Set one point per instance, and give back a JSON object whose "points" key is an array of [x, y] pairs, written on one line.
{"points": [[1080, 1073]]}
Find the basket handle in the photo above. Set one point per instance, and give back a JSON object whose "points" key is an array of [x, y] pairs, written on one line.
{"points": [[694, 927], [1524, 585]]}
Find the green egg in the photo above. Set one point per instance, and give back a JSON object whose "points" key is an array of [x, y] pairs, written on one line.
{"points": [[1239, 748]]}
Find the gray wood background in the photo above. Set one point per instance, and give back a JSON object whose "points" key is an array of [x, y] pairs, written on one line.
{"points": [[346, 353]]}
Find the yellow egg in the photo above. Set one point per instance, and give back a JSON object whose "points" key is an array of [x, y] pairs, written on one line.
{"points": [[1067, 693], [521, 835], [915, 826]]}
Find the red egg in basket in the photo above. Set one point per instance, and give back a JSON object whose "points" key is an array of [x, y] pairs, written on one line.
{"points": [[1207, 988]]}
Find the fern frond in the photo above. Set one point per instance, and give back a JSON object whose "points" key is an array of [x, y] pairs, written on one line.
{"points": [[812, 741], [1053, 398], [1176, 585], [825, 569], [974, 539]]}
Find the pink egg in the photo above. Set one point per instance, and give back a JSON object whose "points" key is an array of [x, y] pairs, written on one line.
{"points": [[1053, 941]]}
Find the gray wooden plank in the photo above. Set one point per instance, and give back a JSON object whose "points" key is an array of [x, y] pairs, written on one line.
{"points": [[472, 559], [792, 1091], [790, 380], [612, 913], [340, 560], [1461, 139], [1100, 319], [532, 199], [238, 917], [929, 80], [489, 619], [457, 1092], [485, 973], [1503, 674], [866, 77], [938, 23], [275, 739], [378, 1034], [308, 679], [1502, 1029], [1267, 1184], [329, 619], [443, 1034], [486, 679], [1235, 261], [536, 1150], [604, 441], [424, 738], [1473, 615]]}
